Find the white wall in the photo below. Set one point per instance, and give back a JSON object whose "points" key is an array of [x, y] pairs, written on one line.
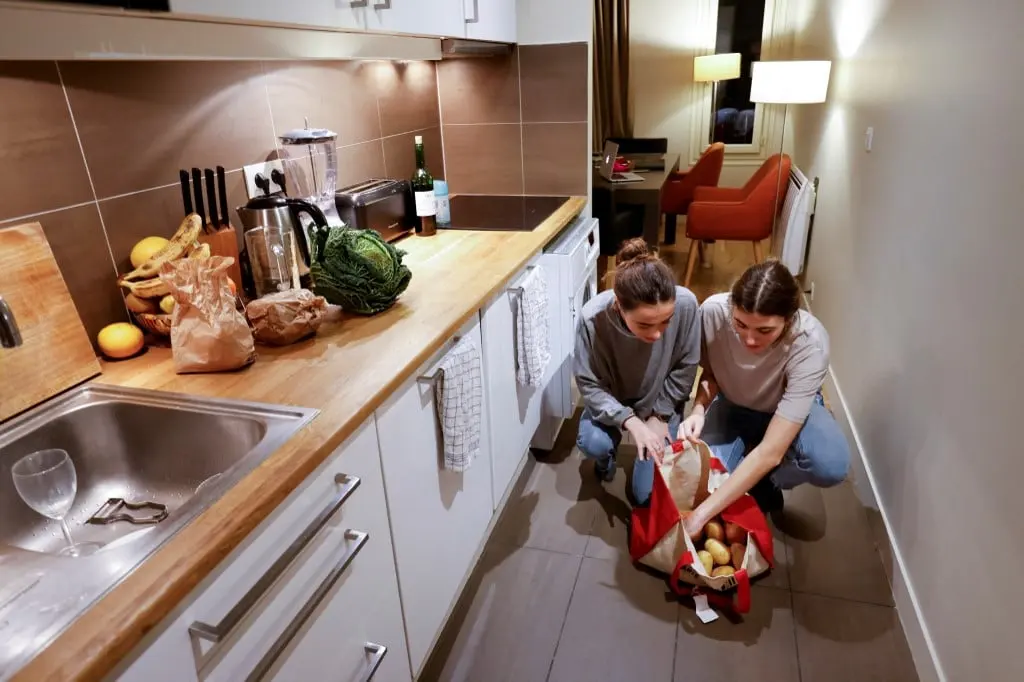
{"points": [[917, 263]]}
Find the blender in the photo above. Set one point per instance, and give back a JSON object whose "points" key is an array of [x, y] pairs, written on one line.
{"points": [[310, 160]]}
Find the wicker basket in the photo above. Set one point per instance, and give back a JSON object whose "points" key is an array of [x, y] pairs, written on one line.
{"points": [[155, 324]]}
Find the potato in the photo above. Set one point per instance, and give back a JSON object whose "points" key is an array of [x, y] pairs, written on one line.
{"points": [[722, 571], [705, 558], [734, 533], [715, 531], [719, 552], [738, 552]]}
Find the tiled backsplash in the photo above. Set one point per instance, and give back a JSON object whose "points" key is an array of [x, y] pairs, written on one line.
{"points": [[517, 124], [91, 150]]}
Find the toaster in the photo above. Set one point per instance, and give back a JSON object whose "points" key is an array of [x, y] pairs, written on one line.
{"points": [[385, 206]]}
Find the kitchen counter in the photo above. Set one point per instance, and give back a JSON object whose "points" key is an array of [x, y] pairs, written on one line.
{"points": [[346, 372]]}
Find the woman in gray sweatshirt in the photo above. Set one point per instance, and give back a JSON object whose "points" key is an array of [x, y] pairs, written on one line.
{"points": [[637, 350]]}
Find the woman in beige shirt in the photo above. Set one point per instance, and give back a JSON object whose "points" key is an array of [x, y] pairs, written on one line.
{"points": [[759, 403]]}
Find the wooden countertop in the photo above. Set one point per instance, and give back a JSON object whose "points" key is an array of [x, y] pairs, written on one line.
{"points": [[346, 372]]}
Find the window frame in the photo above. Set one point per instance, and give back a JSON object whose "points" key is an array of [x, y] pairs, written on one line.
{"points": [[776, 43]]}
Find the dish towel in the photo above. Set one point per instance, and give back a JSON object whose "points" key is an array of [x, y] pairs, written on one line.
{"points": [[458, 396], [533, 350]]}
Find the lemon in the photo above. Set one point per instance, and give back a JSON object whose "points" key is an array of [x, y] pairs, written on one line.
{"points": [[167, 304], [120, 340], [146, 249]]}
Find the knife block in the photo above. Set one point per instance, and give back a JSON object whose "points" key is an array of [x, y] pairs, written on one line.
{"points": [[224, 242]]}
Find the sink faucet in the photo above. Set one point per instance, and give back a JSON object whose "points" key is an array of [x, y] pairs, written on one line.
{"points": [[10, 337]]}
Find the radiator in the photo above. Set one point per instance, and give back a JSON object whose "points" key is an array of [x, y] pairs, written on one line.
{"points": [[789, 243]]}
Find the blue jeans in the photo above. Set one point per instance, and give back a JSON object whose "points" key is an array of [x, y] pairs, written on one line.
{"points": [[600, 442], [819, 455]]}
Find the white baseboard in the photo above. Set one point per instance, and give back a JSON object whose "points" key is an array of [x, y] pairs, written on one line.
{"points": [[922, 648]]}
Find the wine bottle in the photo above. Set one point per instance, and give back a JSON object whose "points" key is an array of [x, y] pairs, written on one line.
{"points": [[423, 191]]}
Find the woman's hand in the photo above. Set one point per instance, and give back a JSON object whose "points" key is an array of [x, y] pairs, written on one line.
{"points": [[691, 428], [693, 524], [648, 443], [659, 428]]}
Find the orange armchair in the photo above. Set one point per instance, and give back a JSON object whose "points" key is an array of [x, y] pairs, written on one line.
{"points": [[677, 193], [738, 214]]}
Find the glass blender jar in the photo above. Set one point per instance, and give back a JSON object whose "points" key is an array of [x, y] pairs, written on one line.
{"points": [[310, 160]]}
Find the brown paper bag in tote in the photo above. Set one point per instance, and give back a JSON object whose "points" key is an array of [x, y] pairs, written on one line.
{"points": [[208, 333]]}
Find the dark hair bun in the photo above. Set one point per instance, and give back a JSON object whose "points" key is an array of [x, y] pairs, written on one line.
{"points": [[635, 249]]}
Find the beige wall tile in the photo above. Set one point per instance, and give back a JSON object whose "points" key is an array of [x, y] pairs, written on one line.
{"points": [[479, 90], [142, 121], [335, 95], [555, 158], [400, 154], [41, 166], [76, 238], [484, 159], [554, 82], [407, 95], [360, 162]]}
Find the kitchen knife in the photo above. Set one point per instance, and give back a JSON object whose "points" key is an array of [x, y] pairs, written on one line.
{"points": [[223, 189], [211, 197], [186, 191], [197, 189]]}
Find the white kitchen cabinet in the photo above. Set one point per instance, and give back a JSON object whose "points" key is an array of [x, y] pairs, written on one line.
{"points": [[343, 14], [491, 20], [337, 596], [438, 517], [514, 410], [440, 18]]}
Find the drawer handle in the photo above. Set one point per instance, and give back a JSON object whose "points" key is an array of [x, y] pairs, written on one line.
{"points": [[356, 539], [431, 379], [377, 652], [518, 291], [356, 4], [385, 4], [219, 632], [476, 13]]}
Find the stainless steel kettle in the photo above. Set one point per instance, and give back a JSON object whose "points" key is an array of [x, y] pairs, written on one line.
{"points": [[282, 212]]}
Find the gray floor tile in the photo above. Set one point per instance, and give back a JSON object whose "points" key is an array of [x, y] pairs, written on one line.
{"points": [[779, 576], [555, 509], [843, 641], [608, 537], [621, 626], [831, 546], [509, 619], [757, 647]]}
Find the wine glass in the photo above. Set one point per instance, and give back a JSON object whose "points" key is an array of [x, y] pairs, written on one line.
{"points": [[47, 482]]}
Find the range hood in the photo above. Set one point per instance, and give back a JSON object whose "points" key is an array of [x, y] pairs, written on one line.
{"points": [[454, 48]]}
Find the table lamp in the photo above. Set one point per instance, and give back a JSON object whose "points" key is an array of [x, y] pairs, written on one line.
{"points": [[795, 82], [713, 68]]}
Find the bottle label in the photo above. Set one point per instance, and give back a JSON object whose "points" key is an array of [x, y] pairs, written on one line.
{"points": [[444, 213], [425, 204]]}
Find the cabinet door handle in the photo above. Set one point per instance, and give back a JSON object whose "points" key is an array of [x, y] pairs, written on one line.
{"points": [[219, 632], [358, 4], [377, 652], [357, 540], [384, 4], [476, 13]]}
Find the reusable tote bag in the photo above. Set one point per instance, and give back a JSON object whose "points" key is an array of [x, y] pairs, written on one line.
{"points": [[687, 475]]}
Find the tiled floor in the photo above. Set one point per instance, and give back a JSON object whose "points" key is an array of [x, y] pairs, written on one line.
{"points": [[557, 599]]}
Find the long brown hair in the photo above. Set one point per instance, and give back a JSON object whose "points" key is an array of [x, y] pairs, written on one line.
{"points": [[641, 278], [768, 289]]}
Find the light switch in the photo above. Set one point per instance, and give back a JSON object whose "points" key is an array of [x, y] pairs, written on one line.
{"points": [[869, 139]]}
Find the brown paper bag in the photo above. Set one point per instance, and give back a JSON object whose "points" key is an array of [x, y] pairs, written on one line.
{"points": [[208, 333], [286, 316]]}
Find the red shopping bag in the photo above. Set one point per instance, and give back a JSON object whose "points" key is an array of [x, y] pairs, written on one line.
{"points": [[685, 478]]}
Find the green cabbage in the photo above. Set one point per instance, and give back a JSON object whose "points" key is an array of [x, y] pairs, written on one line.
{"points": [[357, 270]]}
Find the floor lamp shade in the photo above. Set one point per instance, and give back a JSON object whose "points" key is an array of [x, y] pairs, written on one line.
{"points": [[716, 67], [795, 82]]}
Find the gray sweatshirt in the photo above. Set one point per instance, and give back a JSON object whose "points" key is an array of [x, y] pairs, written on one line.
{"points": [[619, 375]]}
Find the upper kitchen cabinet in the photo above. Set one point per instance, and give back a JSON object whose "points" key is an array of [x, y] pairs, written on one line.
{"points": [[440, 18], [491, 20], [344, 14], [543, 22]]}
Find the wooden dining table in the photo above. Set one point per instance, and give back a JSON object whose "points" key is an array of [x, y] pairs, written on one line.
{"points": [[646, 194]]}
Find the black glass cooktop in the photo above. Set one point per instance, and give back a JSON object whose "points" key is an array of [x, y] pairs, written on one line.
{"points": [[501, 213]]}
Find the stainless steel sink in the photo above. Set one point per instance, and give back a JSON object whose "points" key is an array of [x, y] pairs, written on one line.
{"points": [[179, 452]]}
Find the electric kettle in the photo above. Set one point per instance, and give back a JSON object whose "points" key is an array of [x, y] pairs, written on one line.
{"points": [[277, 244]]}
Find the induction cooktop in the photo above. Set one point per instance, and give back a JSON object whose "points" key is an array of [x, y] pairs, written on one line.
{"points": [[501, 213]]}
